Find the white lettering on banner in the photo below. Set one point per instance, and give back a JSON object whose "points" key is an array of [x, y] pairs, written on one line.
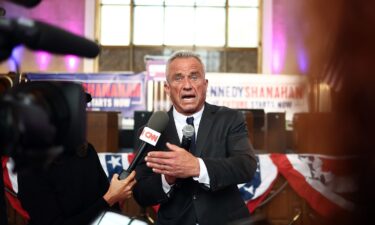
{"points": [[121, 102], [100, 102], [109, 102], [150, 136]]}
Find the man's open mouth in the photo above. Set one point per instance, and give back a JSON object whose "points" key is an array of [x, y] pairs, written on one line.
{"points": [[187, 97]]}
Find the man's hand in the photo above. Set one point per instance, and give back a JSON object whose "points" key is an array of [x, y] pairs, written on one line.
{"points": [[176, 163]]}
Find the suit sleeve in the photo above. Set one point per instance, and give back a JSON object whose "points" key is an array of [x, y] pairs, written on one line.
{"points": [[148, 189], [239, 164]]}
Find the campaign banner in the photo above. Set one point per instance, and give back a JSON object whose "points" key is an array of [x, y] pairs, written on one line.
{"points": [[273, 93], [119, 92]]}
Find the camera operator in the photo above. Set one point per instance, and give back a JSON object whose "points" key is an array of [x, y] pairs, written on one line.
{"points": [[74, 190]]}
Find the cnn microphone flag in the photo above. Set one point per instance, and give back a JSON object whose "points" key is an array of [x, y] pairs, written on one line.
{"points": [[150, 136]]}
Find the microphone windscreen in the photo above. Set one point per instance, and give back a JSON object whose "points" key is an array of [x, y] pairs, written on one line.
{"points": [[26, 3], [188, 131], [158, 121], [56, 40]]}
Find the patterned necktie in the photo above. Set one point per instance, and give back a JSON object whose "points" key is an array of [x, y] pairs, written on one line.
{"points": [[190, 121]]}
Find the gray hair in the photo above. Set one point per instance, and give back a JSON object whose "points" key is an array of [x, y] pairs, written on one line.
{"points": [[183, 54]]}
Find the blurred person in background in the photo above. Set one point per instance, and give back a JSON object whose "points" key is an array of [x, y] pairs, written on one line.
{"points": [[340, 40]]}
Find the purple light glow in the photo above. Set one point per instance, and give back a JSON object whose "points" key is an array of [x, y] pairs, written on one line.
{"points": [[43, 59], [71, 62], [303, 62], [15, 58]]}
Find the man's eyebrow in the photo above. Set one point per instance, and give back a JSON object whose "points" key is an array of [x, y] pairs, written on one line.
{"points": [[195, 73]]}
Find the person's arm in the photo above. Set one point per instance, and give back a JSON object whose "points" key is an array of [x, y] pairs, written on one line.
{"points": [[40, 193], [203, 177], [39, 199], [149, 188], [229, 157], [240, 164]]}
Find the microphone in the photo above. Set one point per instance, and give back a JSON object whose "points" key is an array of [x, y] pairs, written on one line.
{"points": [[26, 3], [38, 35], [149, 136], [187, 132]]}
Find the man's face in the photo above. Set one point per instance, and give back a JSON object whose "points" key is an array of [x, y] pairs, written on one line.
{"points": [[186, 85]]}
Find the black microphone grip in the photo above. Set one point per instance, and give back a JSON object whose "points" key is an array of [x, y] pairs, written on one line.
{"points": [[186, 142], [155, 126], [125, 173]]}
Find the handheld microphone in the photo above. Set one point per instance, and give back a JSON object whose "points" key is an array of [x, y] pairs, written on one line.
{"points": [[149, 136], [187, 132], [37, 35]]}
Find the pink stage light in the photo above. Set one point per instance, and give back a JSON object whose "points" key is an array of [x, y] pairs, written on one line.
{"points": [[43, 60], [278, 52], [71, 62]]}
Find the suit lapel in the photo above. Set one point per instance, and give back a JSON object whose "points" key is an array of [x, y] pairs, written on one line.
{"points": [[204, 128], [171, 131]]}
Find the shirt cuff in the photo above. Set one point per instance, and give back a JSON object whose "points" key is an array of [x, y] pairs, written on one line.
{"points": [[203, 174], [166, 187]]}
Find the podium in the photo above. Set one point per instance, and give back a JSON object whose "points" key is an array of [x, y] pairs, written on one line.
{"points": [[103, 130]]}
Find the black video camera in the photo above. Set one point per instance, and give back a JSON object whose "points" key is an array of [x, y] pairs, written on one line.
{"points": [[40, 121]]}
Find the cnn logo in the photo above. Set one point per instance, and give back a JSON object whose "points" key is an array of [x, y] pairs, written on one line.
{"points": [[150, 136]]}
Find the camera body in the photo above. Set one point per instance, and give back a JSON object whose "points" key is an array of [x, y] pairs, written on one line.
{"points": [[42, 120]]}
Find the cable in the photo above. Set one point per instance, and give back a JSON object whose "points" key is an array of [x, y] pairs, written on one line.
{"points": [[271, 196], [131, 221], [101, 217], [295, 218]]}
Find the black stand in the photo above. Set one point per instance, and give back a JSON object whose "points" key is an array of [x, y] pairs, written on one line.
{"points": [[3, 210]]}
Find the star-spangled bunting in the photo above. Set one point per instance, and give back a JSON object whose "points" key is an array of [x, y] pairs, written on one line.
{"points": [[313, 178]]}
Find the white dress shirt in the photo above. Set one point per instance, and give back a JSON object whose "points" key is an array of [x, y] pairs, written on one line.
{"points": [[180, 121]]}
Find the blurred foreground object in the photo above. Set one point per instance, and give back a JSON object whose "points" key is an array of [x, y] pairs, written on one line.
{"points": [[339, 38], [26, 3], [111, 218], [40, 120], [38, 35]]}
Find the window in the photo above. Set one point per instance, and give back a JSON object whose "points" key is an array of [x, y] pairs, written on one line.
{"points": [[206, 23]]}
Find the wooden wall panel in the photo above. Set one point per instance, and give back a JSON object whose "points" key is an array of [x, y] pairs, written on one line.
{"points": [[103, 130]]}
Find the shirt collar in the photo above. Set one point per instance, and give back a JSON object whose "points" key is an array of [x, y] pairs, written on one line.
{"points": [[180, 118]]}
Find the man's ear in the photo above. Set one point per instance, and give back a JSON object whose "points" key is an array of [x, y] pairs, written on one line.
{"points": [[166, 88]]}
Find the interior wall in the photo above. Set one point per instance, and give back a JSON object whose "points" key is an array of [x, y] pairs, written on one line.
{"points": [[216, 60], [69, 15]]}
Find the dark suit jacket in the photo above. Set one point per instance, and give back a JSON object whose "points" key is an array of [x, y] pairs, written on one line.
{"points": [[223, 144]]}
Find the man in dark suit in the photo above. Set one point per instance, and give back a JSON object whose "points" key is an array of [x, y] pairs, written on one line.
{"points": [[198, 185]]}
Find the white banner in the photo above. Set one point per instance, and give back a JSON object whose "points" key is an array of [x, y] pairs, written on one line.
{"points": [[273, 93]]}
